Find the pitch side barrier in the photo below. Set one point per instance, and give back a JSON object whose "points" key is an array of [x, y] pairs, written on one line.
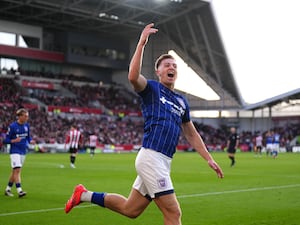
{"points": [[60, 148], [108, 148]]}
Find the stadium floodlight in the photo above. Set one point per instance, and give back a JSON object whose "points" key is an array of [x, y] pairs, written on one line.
{"points": [[102, 15], [105, 15]]}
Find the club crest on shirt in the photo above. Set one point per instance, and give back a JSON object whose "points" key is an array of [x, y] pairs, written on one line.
{"points": [[162, 183]]}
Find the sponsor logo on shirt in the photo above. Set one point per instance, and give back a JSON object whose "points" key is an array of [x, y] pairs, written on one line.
{"points": [[179, 110]]}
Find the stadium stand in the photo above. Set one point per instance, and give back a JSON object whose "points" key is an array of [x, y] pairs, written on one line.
{"points": [[112, 127]]}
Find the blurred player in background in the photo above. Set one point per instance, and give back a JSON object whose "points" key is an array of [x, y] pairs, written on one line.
{"points": [[18, 136], [232, 144], [92, 143], [269, 142], [73, 141], [166, 114], [258, 144], [276, 144]]}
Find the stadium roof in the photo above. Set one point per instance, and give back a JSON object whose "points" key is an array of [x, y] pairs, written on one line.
{"points": [[286, 97], [189, 24]]}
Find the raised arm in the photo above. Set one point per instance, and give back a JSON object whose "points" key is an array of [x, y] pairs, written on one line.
{"points": [[135, 77], [196, 141]]}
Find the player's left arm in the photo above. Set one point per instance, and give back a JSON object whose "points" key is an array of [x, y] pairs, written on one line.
{"points": [[194, 138]]}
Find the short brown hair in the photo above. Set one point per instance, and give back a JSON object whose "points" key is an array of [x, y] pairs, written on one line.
{"points": [[161, 58], [21, 111]]}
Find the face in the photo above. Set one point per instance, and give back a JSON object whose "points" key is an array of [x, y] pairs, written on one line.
{"points": [[167, 72], [23, 118]]}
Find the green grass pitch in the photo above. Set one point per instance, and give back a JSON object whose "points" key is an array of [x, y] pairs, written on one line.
{"points": [[257, 191]]}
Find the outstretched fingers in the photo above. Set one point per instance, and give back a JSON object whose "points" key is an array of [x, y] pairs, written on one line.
{"points": [[216, 168], [148, 30]]}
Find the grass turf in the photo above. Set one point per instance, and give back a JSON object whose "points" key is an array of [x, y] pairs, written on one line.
{"points": [[257, 191]]}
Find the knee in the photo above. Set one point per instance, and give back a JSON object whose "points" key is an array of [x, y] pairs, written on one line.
{"points": [[16, 171], [173, 213], [133, 215], [177, 213]]}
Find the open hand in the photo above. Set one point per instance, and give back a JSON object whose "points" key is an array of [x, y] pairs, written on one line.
{"points": [[216, 168], [148, 30]]}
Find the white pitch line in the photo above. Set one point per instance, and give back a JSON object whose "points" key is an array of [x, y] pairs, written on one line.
{"points": [[239, 191], [40, 211], [181, 196]]}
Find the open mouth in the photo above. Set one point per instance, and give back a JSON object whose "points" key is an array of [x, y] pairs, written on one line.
{"points": [[170, 75]]}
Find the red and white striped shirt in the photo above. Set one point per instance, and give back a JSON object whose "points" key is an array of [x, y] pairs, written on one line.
{"points": [[73, 138]]}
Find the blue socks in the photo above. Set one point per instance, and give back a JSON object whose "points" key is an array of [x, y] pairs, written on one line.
{"points": [[98, 198]]}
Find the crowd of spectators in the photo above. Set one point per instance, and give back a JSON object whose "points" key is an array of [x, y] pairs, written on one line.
{"points": [[52, 128], [10, 93], [113, 97], [111, 129], [43, 73]]}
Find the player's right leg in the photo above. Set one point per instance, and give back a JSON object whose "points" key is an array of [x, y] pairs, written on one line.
{"points": [[131, 207]]}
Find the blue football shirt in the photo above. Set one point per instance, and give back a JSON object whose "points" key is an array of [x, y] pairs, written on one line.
{"points": [[164, 111], [269, 139], [18, 130]]}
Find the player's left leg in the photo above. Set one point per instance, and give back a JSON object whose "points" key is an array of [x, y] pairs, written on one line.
{"points": [[231, 157], [73, 153], [170, 208]]}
